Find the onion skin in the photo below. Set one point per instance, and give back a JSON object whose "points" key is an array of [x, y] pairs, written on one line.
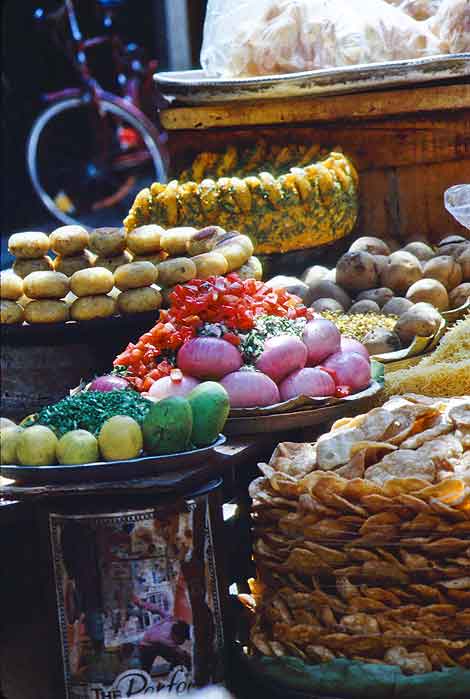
{"points": [[250, 389], [281, 356], [208, 358], [321, 338], [109, 382], [167, 387], [310, 381], [351, 370], [348, 344]]}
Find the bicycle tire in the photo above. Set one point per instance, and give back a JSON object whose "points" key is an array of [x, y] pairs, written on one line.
{"points": [[108, 103]]}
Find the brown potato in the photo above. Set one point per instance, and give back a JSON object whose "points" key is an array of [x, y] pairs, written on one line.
{"points": [[452, 245], [252, 269], [210, 264], [69, 240], [10, 312], [93, 307], [292, 285], [422, 319], [356, 271], [11, 285], [397, 306], [381, 341], [175, 240], [373, 245], [135, 275], [431, 291], [445, 269], [460, 295], [380, 296], [422, 251], [464, 262], [46, 311], [139, 300], [112, 263], [176, 271], [74, 263], [145, 240], [92, 282], [314, 274], [381, 262], [40, 264], [46, 285], [364, 306], [107, 242], [330, 305], [329, 290], [403, 270], [28, 245], [204, 240]]}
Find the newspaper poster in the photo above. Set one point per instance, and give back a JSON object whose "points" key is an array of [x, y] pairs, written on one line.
{"points": [[138, 601]]}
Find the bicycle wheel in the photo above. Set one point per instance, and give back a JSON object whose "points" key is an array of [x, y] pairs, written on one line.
{"points": [[80, 179]]}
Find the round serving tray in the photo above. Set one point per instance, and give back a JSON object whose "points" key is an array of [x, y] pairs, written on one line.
{"points": [[144, 466], [306, 414]]}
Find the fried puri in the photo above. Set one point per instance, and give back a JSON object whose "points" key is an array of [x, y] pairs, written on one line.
{"points": [[46, 311], [175, 240], [135, 275], [92, 282], [11, 285], [176, 271], [41, 264], [145, 240], [93, 307], [112, 263], [10, 312], [46, 285], [69, 240], [28, 245], [210, 264], [74, 263], [107, 242], [139, 300]]}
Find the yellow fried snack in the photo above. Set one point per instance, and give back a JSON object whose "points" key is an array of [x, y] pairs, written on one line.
{"points": [[40, 264], [69, 240], [154, 259], [237, 250], [74, 263], [10, 312], [204, 240], [176, 271], [145, 240], [93, 307], [46, 285], [139, 300], [210, 264], [91, 282], [135, 275], [11, 285], [112, 263], [28, 245], [252, 269], [175, 240], [46, 311], [107, 242]]}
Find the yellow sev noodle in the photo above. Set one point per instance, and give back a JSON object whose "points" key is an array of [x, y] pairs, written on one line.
{"points": [[445, 372]]}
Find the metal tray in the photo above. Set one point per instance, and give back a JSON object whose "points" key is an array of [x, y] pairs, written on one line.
{"points": [[110, 470], [194, 87]]}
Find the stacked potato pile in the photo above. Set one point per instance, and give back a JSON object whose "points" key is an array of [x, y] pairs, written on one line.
{"points": [[362, 540], [98, 274]]}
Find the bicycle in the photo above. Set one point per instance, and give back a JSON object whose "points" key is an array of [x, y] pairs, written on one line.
{"points": [[90, 151]]}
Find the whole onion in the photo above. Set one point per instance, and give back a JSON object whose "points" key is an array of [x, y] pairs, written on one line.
{"points": [[250, 389], [281, 356], [351, 369], [208, 358], [109, 382], [348, 344], [174, 385], [321, 338], [310, 381]]}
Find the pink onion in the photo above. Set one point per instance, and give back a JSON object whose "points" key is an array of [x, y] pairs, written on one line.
{"points": [[348, 344], [208, 358], [172, 385], [110, 382], [250, 389], [322, 338], [307, 382], [281, 356], [351, 369]]}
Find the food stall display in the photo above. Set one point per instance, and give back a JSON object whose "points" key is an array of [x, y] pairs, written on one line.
{"points": [[361, 543]]}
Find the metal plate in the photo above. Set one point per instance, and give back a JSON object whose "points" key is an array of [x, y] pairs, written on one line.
{"points": [[110, 470], [194, 87], [280, 422]]}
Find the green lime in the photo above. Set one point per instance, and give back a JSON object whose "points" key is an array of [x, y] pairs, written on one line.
{"points": [[120, 438], [77, 447], [9, 436], [37, 446]]}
